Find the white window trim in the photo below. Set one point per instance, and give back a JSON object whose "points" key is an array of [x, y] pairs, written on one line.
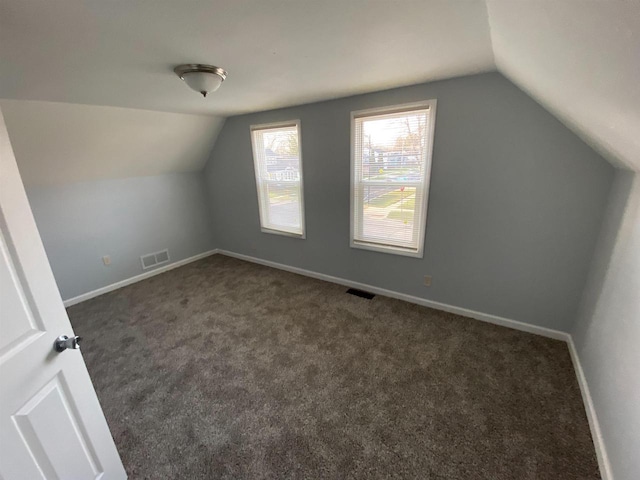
{"points": [[264, 126], [431, 104]]}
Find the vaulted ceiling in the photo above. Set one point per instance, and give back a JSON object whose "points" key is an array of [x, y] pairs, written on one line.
{"points": [[579, 58], [58, 143]]}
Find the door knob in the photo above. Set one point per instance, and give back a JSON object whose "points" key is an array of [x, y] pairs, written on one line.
{"points": [[63, 342]]}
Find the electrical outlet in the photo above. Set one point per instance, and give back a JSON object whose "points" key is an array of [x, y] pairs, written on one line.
{"points": [[106, 260], [427, 280]]}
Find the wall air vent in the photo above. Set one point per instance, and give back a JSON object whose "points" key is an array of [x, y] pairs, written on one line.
{"points": [[155, 259]]}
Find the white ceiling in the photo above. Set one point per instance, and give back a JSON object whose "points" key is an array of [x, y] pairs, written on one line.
{"points": [[57, 143], [579, 58], [277, 52]]}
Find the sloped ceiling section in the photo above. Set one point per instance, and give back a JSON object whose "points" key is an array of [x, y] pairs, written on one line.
{"points": [[581, 60], [58, 143]]}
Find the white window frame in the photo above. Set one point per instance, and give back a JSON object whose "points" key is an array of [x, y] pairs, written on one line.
{"points": [[428, 154], [264, 192]]}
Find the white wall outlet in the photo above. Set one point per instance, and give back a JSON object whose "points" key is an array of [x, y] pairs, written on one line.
{"points": [[106, 260], [427, 280]]}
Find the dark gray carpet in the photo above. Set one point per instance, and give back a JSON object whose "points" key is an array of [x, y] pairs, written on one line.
{"points": [[226, 369]]}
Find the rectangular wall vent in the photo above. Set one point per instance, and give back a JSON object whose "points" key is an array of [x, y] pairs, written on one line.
{"points": [[154, 259]]}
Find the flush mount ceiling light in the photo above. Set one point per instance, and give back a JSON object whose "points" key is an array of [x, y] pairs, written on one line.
{"points": [[203, 79]]}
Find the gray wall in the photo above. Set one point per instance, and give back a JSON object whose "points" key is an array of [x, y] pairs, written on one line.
{"points": [[607, 333], [81, 222], [515, 205]]}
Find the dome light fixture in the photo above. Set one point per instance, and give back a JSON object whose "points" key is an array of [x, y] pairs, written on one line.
{"points": [[203, 79]]}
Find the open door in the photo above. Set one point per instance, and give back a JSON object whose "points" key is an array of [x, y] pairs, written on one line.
{"points": [[51, 424]]}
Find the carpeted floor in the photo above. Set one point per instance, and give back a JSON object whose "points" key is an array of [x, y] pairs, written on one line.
{"points": [[226, 369]]}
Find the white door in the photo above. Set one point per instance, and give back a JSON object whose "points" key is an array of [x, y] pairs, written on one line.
{"points": [[51, 424]]}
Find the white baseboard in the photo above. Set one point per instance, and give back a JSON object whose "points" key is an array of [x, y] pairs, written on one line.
{"points": [[485, 317], [137, 278], [594, 425]]}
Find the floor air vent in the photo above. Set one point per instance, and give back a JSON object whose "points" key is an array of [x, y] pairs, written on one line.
{"points": [[360, 293], [155, 259]]}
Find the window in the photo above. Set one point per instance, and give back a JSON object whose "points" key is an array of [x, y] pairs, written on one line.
{"points": [[390, 168], [278, 166]]}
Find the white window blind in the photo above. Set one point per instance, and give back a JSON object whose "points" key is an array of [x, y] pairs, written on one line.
{"points": [[278, 168], [390, 169]]}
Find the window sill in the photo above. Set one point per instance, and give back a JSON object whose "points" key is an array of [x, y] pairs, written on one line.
{"points": [[387, 249], [284, 233]]}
